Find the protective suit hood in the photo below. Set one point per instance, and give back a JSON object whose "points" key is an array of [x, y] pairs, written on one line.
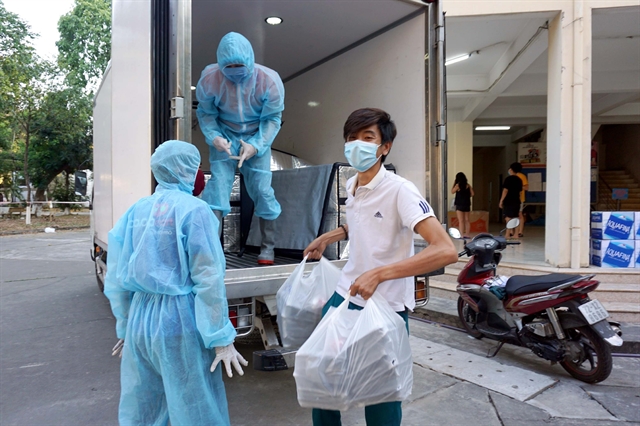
{"points": [[174, 165], [234, 48]]}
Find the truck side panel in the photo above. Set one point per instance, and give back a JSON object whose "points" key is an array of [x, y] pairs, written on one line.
{"points": [[386, 72], [132, 100], [102, 183]]}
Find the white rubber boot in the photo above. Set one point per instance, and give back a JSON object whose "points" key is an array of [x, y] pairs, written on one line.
{"points": [[219, 217], [268, 233]]}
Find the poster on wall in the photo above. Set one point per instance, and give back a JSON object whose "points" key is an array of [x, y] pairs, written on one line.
{"points": [[532, 154], [537, 177]]}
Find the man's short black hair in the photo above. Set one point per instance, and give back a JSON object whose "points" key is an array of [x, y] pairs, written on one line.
{"points": [[516, 167], [366, 117]]}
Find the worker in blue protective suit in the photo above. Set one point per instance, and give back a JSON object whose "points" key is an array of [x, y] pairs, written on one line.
{"points": [[165, 282], [239, 111]]}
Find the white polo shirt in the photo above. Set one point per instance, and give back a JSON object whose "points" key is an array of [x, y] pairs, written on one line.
{"points": [[381, 217]]}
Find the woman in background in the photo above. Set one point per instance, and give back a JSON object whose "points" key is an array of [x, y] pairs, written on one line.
{"points": [[463, 192]]}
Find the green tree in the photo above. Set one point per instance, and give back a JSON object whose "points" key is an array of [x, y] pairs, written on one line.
{"points": [[85, 42], [16, 51], [21, 89], [63, 139]]}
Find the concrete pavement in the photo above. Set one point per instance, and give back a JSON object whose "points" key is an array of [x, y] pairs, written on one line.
{"points": [[56, 334]]}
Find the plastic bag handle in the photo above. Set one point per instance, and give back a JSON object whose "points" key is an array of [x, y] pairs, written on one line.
{"points": [[341, 307]]}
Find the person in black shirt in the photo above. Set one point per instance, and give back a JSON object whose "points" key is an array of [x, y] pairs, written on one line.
{"points": [[463, 192], [510, 200]]}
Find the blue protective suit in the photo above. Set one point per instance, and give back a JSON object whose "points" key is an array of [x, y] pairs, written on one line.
{"points": [[250, 110], [165, 282]]}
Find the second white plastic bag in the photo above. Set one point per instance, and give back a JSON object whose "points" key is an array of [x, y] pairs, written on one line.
{"points": [[300, 301], [355, 358]]}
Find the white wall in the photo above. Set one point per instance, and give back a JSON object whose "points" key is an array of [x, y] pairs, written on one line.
{"points": [[491, 140], [131, 97], [386, 72], [459, 150], [488, 7]]}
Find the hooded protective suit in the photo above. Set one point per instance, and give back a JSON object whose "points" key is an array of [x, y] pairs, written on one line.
{"points": [[247, 107], [165, 282]]}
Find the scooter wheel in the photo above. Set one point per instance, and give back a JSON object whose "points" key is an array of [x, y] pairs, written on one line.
{"points": [[468, 317], [593, 363]]}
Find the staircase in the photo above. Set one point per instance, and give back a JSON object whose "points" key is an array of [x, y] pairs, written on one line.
{"points": [[619, 290], [609, 179]]}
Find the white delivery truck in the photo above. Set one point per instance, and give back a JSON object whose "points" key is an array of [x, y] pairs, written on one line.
{"points": [[333, 57]]}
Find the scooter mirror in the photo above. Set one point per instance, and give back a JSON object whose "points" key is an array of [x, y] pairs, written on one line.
{"points": [[513, 223], [455, 233]]}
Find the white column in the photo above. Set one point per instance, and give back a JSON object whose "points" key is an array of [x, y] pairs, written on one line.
{"points": [[581, 222], [568, 138], [459, 151]]}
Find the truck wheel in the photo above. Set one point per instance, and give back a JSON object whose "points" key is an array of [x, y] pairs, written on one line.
{"points": [[98, 279], [468, 317], [101, 269], [591, 360]]}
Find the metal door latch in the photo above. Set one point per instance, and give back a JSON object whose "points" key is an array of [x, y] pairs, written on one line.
{"points": [[177, 107]]}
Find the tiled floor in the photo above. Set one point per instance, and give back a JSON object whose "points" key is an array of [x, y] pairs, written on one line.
{"points": [[530, 252], [531, 248]]}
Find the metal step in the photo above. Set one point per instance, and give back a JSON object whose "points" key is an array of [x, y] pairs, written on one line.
{"points": [[244, 278], [250, 260]]}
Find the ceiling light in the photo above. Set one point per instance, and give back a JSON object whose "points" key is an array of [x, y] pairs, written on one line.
{"points": [[313, 104], [493, 127], [273, 20], [193, 87], [457, 59]]}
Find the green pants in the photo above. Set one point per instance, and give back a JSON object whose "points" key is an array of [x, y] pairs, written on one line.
{"points": [[384, 414]]}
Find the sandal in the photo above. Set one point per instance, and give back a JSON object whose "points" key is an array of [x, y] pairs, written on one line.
{"points": [[520, 236]]}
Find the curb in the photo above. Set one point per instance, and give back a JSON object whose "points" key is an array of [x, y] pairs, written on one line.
{"points": [[38, 231], [445, 311]]}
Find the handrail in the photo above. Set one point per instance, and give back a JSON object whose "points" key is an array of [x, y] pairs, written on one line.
{"points": [[610, 205], [603, 180]]}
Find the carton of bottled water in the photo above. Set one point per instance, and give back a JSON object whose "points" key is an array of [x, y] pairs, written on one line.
{"points": [[613, 226], [613, 253]]}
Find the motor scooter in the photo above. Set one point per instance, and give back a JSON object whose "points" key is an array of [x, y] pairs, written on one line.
{"points": [[550, 314]]}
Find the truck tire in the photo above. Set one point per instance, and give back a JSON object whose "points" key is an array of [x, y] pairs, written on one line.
{"points": [[100, 271], [98, 279]]}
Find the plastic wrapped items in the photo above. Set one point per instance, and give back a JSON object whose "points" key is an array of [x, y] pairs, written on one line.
{"points": [[355, 359], [496, 285], [300, 301]]}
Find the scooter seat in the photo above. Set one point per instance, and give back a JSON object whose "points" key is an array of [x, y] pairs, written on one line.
{"points": [[520, 284]]}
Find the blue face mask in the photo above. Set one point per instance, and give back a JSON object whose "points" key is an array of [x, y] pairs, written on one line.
{"points": [[235, 74], [361, 155]]}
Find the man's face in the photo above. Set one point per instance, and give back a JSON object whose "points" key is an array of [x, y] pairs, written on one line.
{"points": [[371, 134], [511, 172]]}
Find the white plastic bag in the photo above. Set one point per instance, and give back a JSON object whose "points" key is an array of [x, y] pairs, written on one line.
{"points": [[300, 301], [355, 358], [498, 280]]}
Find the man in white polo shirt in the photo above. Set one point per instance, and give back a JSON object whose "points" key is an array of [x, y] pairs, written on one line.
{"points": [[383, 212]]}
